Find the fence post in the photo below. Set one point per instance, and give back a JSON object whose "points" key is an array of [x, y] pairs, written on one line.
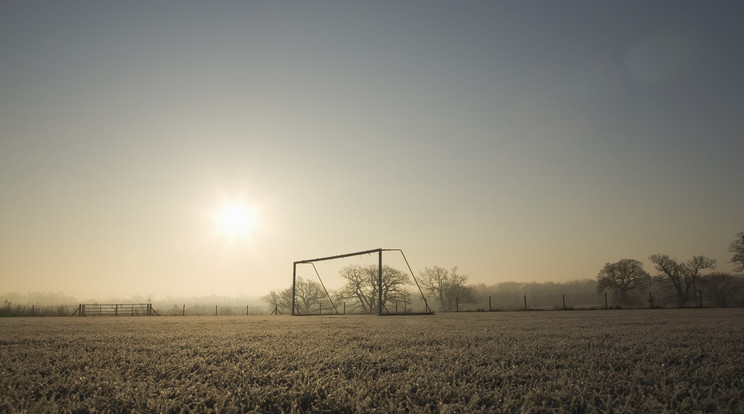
{"points": [[215, 310], [650, 300], [606, 307], [525, 302], [33, 310], [246, 310], [457, 304], [564, 301], [183, 311]]}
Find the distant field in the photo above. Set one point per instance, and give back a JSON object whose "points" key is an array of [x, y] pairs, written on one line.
{"points": [[681, 360]]}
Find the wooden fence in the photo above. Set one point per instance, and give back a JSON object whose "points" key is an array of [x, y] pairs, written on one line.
{"points": [[114, 309]]}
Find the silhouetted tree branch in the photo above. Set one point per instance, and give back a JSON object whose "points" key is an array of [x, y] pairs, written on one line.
{"points": [[310, 296], [622, 277], [281, 300], [448, 287], [681, 276], [737, 248], [719, 287], [362, 286]]}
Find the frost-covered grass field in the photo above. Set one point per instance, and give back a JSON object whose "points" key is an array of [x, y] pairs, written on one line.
{"points": [[682, 360]]}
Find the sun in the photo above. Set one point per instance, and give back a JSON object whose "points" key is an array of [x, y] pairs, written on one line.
{"points": [[236, 221]]}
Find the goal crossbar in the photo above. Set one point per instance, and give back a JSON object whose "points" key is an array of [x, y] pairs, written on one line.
{"points": [[379, 277], [340, 256]]}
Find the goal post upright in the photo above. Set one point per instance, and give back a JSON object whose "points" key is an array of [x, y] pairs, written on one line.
{"points": [[379, 283], [294, 283]]}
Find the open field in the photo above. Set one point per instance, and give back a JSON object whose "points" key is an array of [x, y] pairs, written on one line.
{"points": [[683, 360]]}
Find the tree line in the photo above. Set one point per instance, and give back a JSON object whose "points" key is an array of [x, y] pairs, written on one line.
{"points": [[447, 290], [677, 283], [685, 283]]}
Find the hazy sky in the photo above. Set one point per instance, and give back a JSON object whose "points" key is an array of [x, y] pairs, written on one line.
{"points": [[518, 140]]}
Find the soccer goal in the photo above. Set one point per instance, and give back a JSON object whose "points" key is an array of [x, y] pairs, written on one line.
{"points": [[364, 286]]}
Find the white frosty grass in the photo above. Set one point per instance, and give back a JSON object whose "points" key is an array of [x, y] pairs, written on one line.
{"points": [[578, 361]]}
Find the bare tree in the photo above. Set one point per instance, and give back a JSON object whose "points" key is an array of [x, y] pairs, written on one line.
{"points": [[719, 287], [737, 248], [394, 284], [435, 280], [359, 288], [280, 300], [623, 277], [681, 276], [672, 273], [693, 268], [459, 292], [362, 286], [310, 296], [448, 287]]}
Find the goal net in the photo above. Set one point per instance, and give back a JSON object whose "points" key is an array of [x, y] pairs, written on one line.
{"points": [[377, 281]]}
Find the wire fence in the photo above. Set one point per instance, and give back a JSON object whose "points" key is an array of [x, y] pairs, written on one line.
{"points": [[97, 310], [214, 310], [554, 300], [494, 301], [534, 301]]}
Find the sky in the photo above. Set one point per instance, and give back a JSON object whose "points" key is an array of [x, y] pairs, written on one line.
{"points": [[517, 140]]}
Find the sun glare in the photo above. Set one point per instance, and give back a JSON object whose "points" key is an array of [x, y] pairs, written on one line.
{"points": [[236, 221]]}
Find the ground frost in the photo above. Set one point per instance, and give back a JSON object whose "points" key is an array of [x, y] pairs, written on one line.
{"points": [[580, 361]]}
